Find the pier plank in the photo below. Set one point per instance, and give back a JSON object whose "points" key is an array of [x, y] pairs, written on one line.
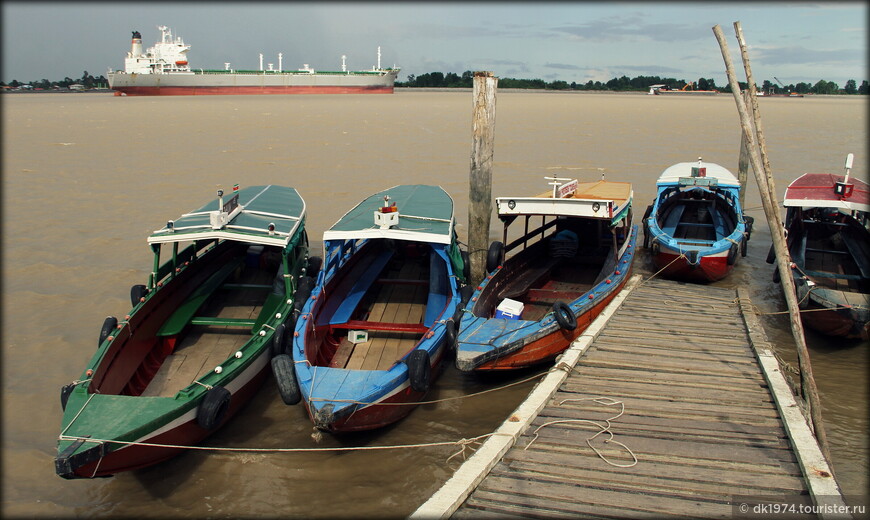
{"points": [[699, 415]]}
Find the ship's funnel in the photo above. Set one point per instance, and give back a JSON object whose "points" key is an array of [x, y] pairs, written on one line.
{"points": [[136, 46]]}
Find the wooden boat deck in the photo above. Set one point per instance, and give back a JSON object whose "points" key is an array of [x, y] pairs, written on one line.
{"points": [[403, 303], [205, 347], [706, 413]]}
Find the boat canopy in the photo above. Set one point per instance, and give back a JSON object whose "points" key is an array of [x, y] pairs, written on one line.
{"points": [[406, 212], [818, 190], [597, 200], [266, 215], [681, 174]]}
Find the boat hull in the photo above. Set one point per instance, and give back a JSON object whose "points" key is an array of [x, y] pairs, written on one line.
{"points": [[485, 344], [707, 268], [191, 84], [105, 460]]}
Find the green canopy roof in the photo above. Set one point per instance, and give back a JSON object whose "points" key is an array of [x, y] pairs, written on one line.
{"points": [[425, 214], [244, 220]]}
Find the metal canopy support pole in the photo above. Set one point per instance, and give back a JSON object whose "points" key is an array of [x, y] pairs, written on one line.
{"points": [[783, 260], [480, 182]]}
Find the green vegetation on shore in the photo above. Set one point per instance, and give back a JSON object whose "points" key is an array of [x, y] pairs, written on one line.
{"points": [[624, 84], [86, 81]]}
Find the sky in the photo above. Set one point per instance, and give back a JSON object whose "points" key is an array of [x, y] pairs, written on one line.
{"points": [[571, 41]]}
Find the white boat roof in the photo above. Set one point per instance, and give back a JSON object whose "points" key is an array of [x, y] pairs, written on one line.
{"points": [[248, 221], [604, 200], [673, 174], [425, 214]]}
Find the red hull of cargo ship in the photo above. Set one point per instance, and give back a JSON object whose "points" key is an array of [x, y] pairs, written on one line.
{"points": [[253, 90]]}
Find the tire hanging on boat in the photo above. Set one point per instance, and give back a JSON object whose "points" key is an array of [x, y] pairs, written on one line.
{"points": [[419, 370], [732, 254], [303, 291], [312, 267], [65, 391], [285, 378], [109, 325], [450, 334], [494, 256], [466, 266], [646, 215], [565, 317], [137, 292], [771, 255], [278, 340], [213, 408], [744, 246]]}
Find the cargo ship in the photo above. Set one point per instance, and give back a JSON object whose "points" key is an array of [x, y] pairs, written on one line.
{"points": [[163, 70]]}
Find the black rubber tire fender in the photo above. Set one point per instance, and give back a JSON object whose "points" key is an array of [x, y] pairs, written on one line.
{"points": [[303, 291], [744, 246], [466, 266], [419, 370], [65, 391], [451, 327], [732, 254], [565, 317], [771, 255], [213, 408], [312, 267], [285, 378], [646, 236], [494, 256], [278, 340], [137, 292], [109, 326]]}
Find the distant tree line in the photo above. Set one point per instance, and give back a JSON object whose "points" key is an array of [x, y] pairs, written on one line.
{"points": [[624, 83], [87, 81]]}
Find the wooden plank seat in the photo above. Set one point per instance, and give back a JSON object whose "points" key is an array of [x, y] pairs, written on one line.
{"points": [[527, 279], [185, 312], [858, 254], [222, 322], [380, 325], [369, 273]]}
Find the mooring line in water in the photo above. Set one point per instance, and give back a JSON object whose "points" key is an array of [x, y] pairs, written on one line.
{"points": [[461, 442]]}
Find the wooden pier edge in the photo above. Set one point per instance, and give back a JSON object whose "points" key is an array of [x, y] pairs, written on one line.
{"points": [[817, 473], [454, 492]]}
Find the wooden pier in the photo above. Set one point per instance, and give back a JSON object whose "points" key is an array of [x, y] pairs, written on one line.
{"points": [[671, 404]]}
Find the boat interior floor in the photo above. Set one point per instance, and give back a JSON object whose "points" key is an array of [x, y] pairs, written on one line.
{"points": [[562, 279], [830, 254], [204, 347], [399, 297]]}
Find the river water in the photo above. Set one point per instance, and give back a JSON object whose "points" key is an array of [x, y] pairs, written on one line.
{"points": [[87, 177]]}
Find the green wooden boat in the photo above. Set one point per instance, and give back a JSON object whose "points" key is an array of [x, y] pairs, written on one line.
{"points": [[219, 303]]}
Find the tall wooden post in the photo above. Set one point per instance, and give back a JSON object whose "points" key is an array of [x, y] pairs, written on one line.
{"points": [[480, 177], [771, 211], [743, 161]]}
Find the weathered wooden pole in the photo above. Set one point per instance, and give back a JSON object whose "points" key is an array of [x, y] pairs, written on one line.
{"points": [[480, 177], [743, 161], [771, 211]]}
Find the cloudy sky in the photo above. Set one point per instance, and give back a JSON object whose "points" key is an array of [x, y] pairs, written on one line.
{"points": [[571, 41]]}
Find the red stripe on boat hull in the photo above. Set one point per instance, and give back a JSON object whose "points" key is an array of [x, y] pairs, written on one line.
{"points": [[252, 90], [187, 434], [708, 269]]}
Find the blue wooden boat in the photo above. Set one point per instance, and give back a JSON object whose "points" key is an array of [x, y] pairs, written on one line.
{"points": [[373, 332], [695, 229], [572, 256]]}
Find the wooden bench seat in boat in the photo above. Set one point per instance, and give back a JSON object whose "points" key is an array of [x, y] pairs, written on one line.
{"points": [[185, 312], [527, 279], [394, 322], [858, 253], [360, 287]]}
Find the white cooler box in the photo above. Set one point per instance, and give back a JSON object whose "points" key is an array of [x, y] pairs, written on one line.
{"points": [[509, 309]]}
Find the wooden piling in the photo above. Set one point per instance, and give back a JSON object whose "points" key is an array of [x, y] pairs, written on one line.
{"points": [[480, 177], [771, 211], [743, 162]]}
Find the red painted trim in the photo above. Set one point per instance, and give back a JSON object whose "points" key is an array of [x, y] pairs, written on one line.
{"points": [[380, 325], [709, 269], [253, 90]]}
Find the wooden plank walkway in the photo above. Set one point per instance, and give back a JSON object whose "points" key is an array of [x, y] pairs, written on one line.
{"points": [[682, 375]]}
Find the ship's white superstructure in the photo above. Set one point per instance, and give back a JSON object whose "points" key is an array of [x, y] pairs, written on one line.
{"points": [[166, 56]]}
